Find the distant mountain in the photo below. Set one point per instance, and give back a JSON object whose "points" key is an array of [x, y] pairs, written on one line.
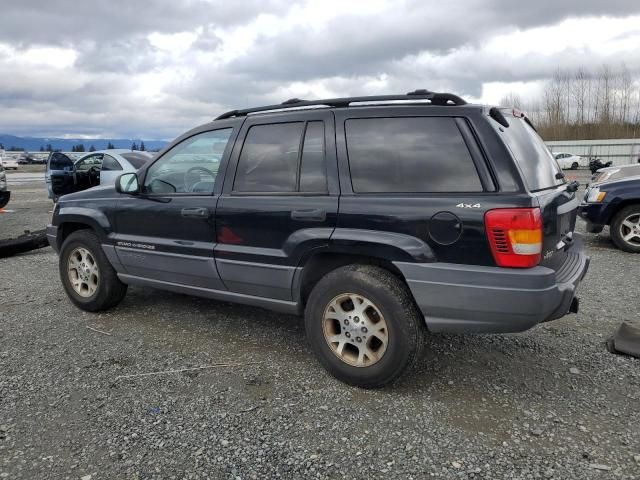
{"points": [[33, 144]]}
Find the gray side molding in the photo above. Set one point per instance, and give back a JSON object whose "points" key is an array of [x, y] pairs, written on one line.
{"points": [[268, 303]]}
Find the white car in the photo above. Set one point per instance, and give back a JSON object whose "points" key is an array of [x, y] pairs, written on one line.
{"points": [[569, 161], [65, 175], [10, 164]]}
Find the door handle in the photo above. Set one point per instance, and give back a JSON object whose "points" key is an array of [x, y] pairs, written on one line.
{"points": [[309, 215], [198, 212]]}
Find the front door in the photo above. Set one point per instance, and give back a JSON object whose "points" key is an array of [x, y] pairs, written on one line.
{"points": [[167, 233], [59, 175], [280, 200]]}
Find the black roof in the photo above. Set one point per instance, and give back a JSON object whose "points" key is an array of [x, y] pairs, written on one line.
{"points": [[434, 98]]}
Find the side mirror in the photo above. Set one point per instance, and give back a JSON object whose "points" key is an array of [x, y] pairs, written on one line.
{"points": [[128, 183]]}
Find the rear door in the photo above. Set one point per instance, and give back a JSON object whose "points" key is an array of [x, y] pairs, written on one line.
{"points": [[59, 175], [545, 180], [280, 201]]}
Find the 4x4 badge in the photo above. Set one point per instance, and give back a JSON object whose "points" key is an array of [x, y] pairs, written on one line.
{"points": [[469, 205]]}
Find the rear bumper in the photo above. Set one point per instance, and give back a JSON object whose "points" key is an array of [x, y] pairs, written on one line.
{"points": [[474, 299]]}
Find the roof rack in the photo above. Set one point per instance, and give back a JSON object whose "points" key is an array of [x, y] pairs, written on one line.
{"points": [[434, 97]]}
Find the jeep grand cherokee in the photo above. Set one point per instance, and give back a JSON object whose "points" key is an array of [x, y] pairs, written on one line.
{"points": [[378, 218]]}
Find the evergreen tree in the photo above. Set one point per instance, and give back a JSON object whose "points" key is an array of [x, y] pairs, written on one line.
{"points": [[41, 148], [49, 147], [110, 146], [1, 146], [142, 147], [92, 148], [134, 146]]}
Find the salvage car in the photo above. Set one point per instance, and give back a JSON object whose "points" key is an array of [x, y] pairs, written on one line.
{"points": [[5, 194], [376, 220], [615, 173], [616, 203], [65, 175]]}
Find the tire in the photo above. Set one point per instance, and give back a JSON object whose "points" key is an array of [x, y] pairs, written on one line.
{"points": [[625, 222], [574, 166], [100, 287], [390, 303]]}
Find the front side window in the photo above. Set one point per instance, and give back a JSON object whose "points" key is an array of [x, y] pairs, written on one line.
{"points": [[408, 155], [189, 167], [87, 163]]}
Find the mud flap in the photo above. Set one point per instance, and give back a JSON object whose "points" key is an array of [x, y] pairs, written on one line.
{"points": [[626, 340]]}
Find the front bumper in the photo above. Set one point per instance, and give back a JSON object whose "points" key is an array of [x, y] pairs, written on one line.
{"points": [[594, 214], [475, 299], [52, 237]]}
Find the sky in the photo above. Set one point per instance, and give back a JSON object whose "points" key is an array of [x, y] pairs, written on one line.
{"points": [[155, 68]]}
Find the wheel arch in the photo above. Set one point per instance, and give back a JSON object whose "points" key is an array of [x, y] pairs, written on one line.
{"points": [[320, 263], [619, 206]]}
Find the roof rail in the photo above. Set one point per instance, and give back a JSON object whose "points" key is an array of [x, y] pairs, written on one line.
{"points": [[434, 97]]}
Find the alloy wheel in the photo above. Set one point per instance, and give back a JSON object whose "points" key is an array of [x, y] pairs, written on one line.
{"points": [[355, 330], [83, 272]]}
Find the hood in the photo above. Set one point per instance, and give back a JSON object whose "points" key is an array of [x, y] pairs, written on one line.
{"points": [[106, 191]]}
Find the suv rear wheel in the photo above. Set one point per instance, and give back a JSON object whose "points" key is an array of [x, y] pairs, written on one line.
{"points": [[87, 276], [363, 325], [625, 229]]}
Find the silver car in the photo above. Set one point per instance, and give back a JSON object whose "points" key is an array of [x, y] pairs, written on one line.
{"points": [[5, 195], [65, 175]]}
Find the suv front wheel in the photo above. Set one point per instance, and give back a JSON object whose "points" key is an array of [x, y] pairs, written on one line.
{"points": [[87, 276], [363, 325], [625, 229]]}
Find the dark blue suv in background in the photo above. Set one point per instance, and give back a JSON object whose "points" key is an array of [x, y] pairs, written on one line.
{"points": [[378, 218], [613, 199]]}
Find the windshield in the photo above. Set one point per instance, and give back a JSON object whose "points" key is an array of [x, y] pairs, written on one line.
{"points": [[137, 160], [537, 164]]}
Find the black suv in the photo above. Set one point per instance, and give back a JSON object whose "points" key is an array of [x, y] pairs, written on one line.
{"points": [[378, 217]]}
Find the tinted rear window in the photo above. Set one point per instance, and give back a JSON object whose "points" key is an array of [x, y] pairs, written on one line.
{"points": [[536, 162], [409, 154]]}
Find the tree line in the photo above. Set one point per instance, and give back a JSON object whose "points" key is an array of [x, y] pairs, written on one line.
{"points": [[584, 104]]}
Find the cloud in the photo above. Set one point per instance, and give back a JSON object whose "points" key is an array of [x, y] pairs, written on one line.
{"points": [[154, 68]]}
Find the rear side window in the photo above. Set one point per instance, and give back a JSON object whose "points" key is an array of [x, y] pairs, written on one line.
{"points": [[409, 154], [537, 164], [313, 170], [271, 160], [110, 164]]}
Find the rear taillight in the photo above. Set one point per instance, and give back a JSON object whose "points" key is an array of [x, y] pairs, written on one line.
{"points": [[515, 236]]}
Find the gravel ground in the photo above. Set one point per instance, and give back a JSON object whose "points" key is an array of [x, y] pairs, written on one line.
{"points": [[29, 209], [548, 403]]}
